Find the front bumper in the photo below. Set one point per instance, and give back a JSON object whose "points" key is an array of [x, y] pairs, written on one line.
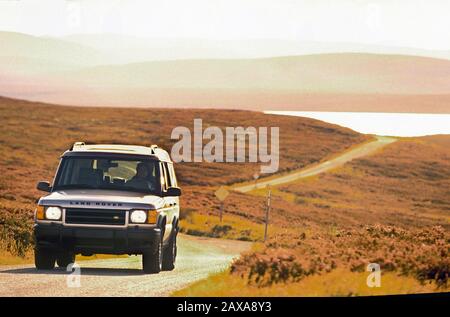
{"points": [[91, 240]]}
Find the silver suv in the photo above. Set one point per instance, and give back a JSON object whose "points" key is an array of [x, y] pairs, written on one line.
{"points": [[109, 199]]}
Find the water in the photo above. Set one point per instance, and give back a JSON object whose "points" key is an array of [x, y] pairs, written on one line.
{"points": [[392, 124]]}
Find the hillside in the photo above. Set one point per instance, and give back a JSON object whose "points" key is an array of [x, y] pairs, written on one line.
{"points": [[391, 208], [50, 50], [33, 135], [323, 73], [334, 82], [406, 185], [135, 49]]}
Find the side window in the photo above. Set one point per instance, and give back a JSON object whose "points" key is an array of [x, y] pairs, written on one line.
{"points": [[163, 177], [168, 176]]}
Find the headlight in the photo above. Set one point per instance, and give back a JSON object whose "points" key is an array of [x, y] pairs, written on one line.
{"points": [[53, 213], [138, 216]]}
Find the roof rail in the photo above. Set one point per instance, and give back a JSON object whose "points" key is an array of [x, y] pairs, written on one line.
{"points": [[77, 144], [153, 147]]}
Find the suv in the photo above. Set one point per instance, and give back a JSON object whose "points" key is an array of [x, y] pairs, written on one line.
{"points": [[109, 199]]}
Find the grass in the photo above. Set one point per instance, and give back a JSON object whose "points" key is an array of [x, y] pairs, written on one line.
{"points": [[232, 227], [6, 258], [336, 283], [406, 184]]}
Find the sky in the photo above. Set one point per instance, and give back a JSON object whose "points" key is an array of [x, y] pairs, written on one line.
{"points": [[405, 23]]}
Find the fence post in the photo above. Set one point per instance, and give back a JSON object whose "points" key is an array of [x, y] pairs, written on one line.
{"points": [[267, 212], [221, 194]]}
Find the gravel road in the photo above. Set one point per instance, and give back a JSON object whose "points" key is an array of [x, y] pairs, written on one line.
{"points": [[197, 258]]}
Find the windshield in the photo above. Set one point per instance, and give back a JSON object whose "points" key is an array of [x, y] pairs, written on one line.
{"points": [[109, 173]]}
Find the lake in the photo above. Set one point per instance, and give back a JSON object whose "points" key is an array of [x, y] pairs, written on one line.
{"points": [[392, 124]]}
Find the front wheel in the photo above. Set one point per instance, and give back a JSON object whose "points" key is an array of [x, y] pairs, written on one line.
{"points": [[170, 253], [65, 258], [152, 260], [44, 259]]}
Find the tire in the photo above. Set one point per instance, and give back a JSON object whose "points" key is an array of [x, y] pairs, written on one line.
{"points": [[65, 258], [152, 260], [170, 253], [44, 259]]}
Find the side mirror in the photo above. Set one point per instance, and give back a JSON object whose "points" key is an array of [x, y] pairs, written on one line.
{"points": [[44, 186], [173, 191]]}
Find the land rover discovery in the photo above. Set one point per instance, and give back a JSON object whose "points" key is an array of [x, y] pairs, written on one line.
{"points": [[109, 199]]}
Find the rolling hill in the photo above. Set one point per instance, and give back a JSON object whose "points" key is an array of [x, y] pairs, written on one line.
{"points": [[51, 50], [33, 136], [349, 73], [129, 49], [65, 71]]}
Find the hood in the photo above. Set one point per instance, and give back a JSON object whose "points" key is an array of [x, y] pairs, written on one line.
{"points": [[99, 198]]}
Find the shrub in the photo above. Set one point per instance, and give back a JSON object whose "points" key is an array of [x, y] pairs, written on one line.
{"points": [[186, 213], [16, 236], [221, 230], [270, 267], [423, 254]]}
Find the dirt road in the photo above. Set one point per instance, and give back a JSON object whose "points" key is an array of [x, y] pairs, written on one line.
{"points": [[197, 258], [359, 151]]}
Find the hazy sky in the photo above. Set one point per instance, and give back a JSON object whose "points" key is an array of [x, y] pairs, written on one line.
{"points": [[410, 23]]}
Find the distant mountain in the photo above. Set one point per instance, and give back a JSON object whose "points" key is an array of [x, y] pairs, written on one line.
{"points": [[129, 49], [350, 73], [102, 49], [47, 51], [65, 72]]}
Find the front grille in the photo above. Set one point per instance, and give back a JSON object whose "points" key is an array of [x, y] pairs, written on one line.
{"points": [[82, 216]]}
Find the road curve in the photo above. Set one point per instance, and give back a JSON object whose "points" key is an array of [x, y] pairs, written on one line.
{"points": [[357, 152], [197, 258]]}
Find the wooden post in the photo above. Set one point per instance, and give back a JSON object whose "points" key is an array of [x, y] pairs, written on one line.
{"points": [[255, 177], [267, 214], [221, 194]]}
